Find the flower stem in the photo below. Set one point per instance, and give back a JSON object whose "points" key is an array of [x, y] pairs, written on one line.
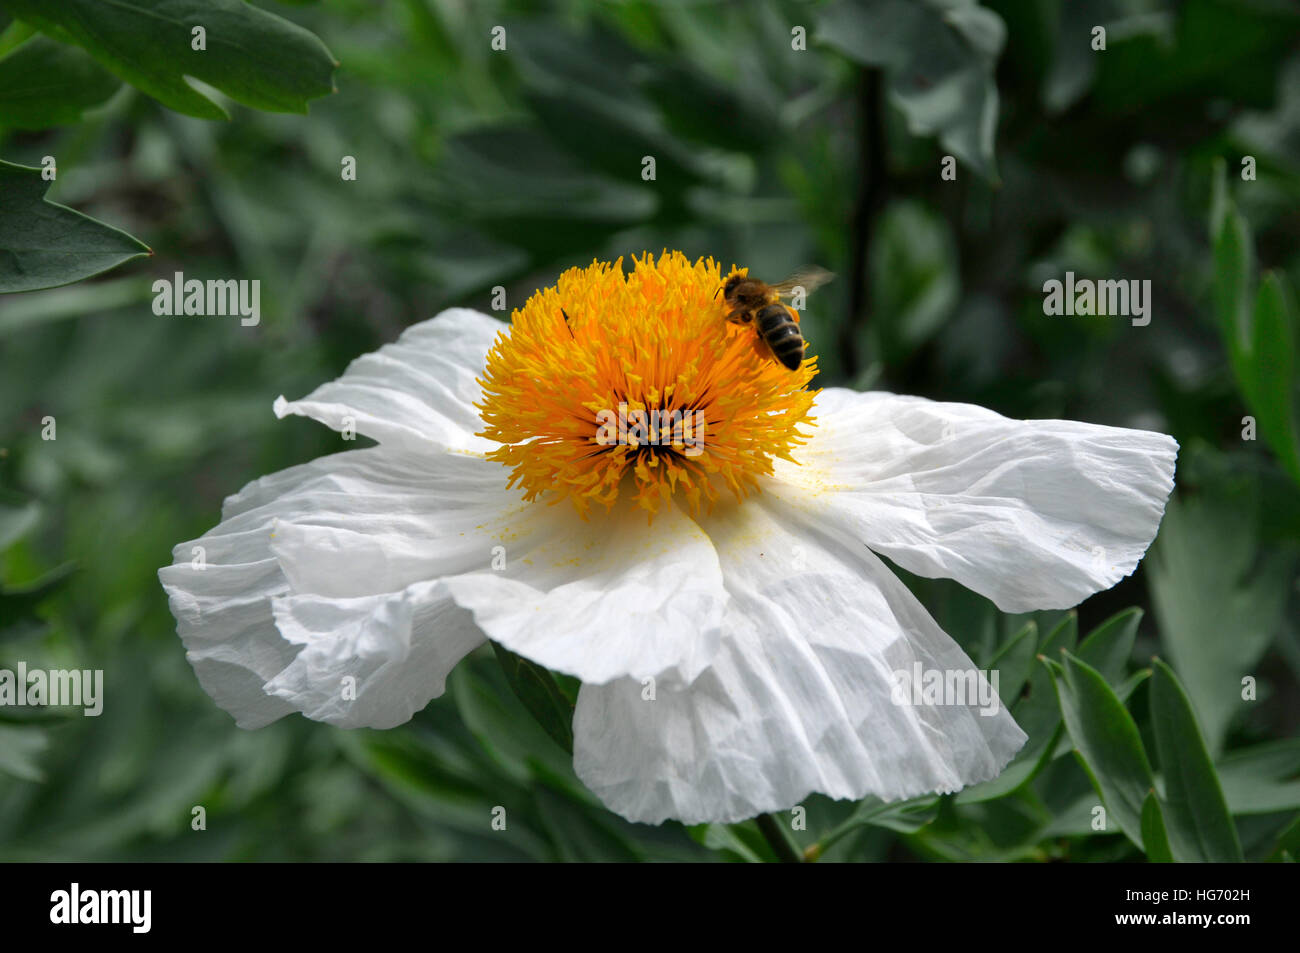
{"points": [[777, 839]]}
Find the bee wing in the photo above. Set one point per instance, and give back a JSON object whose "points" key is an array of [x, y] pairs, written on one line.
{"points": [[809, 277]]}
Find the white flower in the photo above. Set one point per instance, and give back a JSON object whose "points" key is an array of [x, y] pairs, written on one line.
{"points": [[768, 623]]}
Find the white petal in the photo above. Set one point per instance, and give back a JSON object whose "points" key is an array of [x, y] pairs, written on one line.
{"points": [[398, 521], [605, 598], [223, 616], [1033, 514], [418, 393], [799, 697], [227, 609], [373, 661]]}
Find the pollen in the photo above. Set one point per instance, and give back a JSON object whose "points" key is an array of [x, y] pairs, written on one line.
{"points": [[635, 383]]}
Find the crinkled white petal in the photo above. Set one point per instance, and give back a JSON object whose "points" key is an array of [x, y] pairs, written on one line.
{"points": [[603, 598], [404, 520], [801, 695], [1033, 514], [372, 661], [223, 616], [262, 650], [418, 393]]}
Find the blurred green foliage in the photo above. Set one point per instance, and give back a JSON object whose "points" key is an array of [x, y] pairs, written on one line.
{"points": [[478, 168]]}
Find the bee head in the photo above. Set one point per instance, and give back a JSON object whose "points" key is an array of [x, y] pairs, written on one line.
{"points": [[730, 285]]}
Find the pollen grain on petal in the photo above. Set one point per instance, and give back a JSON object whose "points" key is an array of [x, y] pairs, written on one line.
{"points": [[634, 383]]}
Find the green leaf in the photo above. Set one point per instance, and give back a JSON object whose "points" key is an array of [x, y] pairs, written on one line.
{"points": [[1233, 270], [581, 836], [1261, 344], [1288, 843], [1123, 691], [22, 600], [20, 747], [1014, 661], [16, 521], [1027, 765], [1108, 742], [1154, 838], [43, 244], [508, 732], [74, 301], [1262, 779], [44, 83], [1109, 646], [1004, 830], [1063, 635], [1220, 199], [428, 782], [15, 35], [255, 57], [939, 56], [1200, 827], [905, 817], [1073, 61], [1039, 716], [742, 842], [1208, 576], [1272, 368], [537, 689]]}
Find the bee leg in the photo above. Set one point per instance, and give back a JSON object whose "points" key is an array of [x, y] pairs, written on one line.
{"points": [[740, 316], [566, 322]]}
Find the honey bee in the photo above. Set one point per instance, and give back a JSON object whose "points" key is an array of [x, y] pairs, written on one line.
{"points": [[754, 302]]}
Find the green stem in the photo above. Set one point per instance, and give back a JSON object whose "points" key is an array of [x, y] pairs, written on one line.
{"points": [[777, 840]]}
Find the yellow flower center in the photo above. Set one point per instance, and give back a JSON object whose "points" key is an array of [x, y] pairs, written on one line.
{"points": [[609, 382]]}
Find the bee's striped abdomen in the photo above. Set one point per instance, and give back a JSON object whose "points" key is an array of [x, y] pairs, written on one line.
{"points": [[782, 335]]}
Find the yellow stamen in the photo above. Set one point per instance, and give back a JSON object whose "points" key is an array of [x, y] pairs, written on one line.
{"points": [[607, 380]]}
